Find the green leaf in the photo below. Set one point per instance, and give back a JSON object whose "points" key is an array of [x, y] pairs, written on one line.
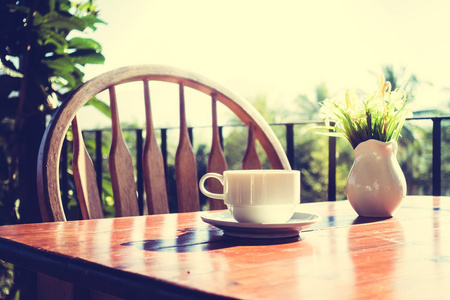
{"points": [[37, 19], [46, 33], [78, 75], [62, 63], [51, 37], [84, 6], [101, 106], [91, 20], [51, 4], [56, 20], [67, 76], [87, 57], [58, 48], [83, 43], [333, 134]]}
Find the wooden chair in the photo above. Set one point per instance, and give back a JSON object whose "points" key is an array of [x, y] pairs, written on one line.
{"points": [[120, 162]]}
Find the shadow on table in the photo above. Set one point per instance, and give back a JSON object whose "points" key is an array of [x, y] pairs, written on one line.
{"points": [[204, 240], [364, 220]]}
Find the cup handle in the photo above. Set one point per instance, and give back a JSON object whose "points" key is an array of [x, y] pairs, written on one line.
{"points": [[205, 191]]}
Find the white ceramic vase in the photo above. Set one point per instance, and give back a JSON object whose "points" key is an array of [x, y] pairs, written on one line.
{"points": [[376, 184]]}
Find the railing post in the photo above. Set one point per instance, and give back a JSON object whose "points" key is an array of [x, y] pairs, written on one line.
{"points": [[290, 149], [221, 136], [437, 156], [164, 148], [331, 168], [64, 176], [191, 135], [139, 170], [99, 161]]}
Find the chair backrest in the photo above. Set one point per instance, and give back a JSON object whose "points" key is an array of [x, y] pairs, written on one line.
{"points": [[120, 162]]}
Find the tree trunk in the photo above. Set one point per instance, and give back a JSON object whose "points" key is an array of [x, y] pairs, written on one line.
{"points": [[30, 135]]}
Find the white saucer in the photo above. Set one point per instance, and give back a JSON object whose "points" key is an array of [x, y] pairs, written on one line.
{"points": [[224, 221]]}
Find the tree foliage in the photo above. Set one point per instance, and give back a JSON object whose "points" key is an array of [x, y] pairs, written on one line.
{"points": [[39, 44], [43, 50]]}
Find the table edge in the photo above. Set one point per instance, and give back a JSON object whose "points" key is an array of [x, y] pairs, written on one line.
{"points": [[95, 276]]}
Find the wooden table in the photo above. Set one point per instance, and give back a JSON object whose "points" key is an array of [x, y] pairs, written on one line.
{"points": [[341, 257]]}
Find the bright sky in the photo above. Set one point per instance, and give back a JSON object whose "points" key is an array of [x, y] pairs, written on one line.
{"points": [[283, 48]]}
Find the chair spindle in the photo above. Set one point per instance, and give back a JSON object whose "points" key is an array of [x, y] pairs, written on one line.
{"points": [[84, 177], [216, 160], [121, 167], [153, 164], [186, 165], [251, 159]]}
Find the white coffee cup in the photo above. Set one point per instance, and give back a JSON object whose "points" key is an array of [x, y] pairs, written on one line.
{"points": [[258, 196]]}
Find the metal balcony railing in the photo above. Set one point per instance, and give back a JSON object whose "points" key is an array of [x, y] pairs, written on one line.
{"points": [[290, 151]]}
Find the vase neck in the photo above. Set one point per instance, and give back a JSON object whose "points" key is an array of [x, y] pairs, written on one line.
{"points": [[378, 147]]}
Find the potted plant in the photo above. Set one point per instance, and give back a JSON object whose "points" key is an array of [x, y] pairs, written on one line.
{"points": [[372, 123]]}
